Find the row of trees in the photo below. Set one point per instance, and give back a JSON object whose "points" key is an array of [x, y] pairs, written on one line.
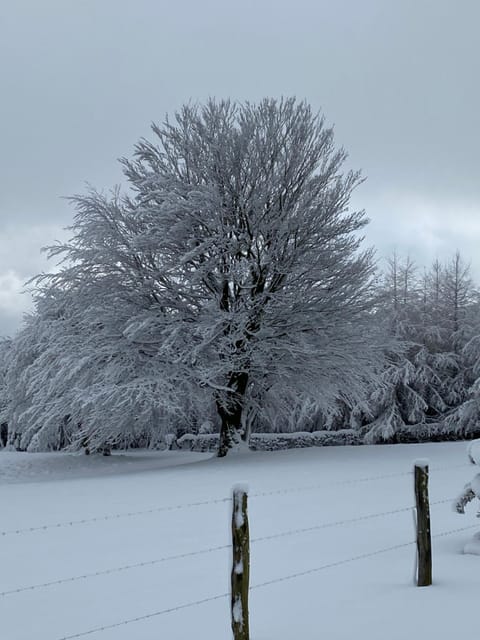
{"points": [[229, 284], [435, 316]]}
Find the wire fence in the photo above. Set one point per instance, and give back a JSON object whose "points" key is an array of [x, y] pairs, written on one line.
{"points": [[112, 516], [209, 550], [215, 501], [213, 549], [261, 585], [147, 616]]}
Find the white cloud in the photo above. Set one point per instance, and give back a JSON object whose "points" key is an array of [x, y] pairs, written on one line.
{"points": [[12, 298], [13, 302], [423, 227], [20, 259], [21, 246]]}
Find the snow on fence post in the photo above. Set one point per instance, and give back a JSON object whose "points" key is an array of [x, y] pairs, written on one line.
{"points": [[424, 540], [241, 564]]}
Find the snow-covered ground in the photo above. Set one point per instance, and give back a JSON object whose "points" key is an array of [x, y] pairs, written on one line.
{"points": [[372, 598]]}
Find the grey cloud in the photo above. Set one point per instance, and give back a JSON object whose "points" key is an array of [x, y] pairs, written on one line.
{"points": [[81, 81], [21, 258], [13, 304], [424, 228]]}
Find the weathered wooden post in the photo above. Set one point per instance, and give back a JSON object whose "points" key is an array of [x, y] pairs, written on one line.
{"points": [[241, 564], [424, 540]]}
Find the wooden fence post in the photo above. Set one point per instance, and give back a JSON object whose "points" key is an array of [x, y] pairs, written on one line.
{"points": [[241, 564], [424, 540]]}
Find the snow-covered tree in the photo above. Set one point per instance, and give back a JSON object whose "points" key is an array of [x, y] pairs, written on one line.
{"points": [[236, 265], [5, 351], [459, 319], [77, 380], [431, 315], [470, 491], [394, 402], [465, 419], [457, 294]]}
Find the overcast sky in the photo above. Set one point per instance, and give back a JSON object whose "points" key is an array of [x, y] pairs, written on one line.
{"points": [[81, 80]]}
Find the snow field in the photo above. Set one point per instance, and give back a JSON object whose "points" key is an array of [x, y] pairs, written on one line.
{"points": [[372, 597]]}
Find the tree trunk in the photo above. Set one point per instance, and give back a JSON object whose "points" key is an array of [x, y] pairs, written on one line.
{"points": [[231, 424], [231, 417], [4, 434]]}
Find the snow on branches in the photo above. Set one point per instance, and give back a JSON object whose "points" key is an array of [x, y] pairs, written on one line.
{"points": [[230, 279]]}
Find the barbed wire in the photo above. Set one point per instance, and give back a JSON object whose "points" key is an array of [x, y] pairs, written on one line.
{"points": [[147, 616], [328, 525], [225, 595], [323, 485], [453, 466], [460, 529], [128, 514], [105, 572], [444, 501], [260, 585], [262, 494], [199, 552], [350, 481], [113, 516], [355, 558], [339, 523], [330, 565], [159, 509]]}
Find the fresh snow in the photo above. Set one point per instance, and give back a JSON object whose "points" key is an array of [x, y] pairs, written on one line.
{"points": [[422, 463], [237, 610], [370, 598], [237, 495], [475, 485], [473, 546]]}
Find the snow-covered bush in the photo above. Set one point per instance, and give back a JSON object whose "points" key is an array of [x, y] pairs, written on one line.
{"points": [[5, 354], [469, 493], [75, 380]]}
